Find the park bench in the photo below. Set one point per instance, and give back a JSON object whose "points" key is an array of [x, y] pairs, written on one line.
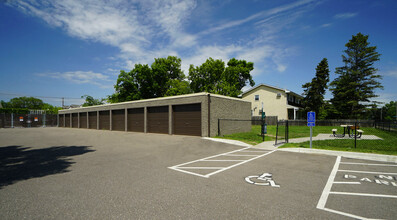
{"points": [[360, 132]]}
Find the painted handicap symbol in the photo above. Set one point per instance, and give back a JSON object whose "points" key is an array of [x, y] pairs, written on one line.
{"points": [[262, 180]]}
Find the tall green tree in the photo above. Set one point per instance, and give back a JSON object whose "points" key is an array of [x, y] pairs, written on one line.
{"points": [[212, 76], [163, 78], [314, 91], [390, 111], [207, 77], [166, 71], [357, 79], [90, 101], [25, 102]]}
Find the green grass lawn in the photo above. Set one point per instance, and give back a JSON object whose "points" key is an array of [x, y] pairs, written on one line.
{"points": [[386, 146], [254, 136]]}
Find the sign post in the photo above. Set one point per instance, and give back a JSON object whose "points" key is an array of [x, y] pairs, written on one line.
{"points": [[311, 122], [264, 126]]}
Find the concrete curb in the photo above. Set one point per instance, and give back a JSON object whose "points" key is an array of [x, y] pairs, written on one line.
{"points": [[355, 155], [227, 141]]}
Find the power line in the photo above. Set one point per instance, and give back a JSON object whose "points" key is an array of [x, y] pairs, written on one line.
{"points": [[46, 97]]}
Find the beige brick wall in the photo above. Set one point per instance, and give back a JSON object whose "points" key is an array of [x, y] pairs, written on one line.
{"points": [[221, 107], [230, 109]]}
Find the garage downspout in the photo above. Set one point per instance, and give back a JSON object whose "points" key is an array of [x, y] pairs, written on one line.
{"points": [[209, 115]]}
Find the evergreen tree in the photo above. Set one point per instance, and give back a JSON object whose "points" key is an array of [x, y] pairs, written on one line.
{"points": [[314, 91], [357, 79]]}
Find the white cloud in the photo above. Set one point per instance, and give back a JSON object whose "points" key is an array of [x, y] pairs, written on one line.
{"points": [[147, 29], [259, 15], [345, 15], [384, 98], [326, 25], [391, 73], [81, 77]]}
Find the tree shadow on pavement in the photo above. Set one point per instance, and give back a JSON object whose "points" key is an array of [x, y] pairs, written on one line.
{"points": [[22, 163]]}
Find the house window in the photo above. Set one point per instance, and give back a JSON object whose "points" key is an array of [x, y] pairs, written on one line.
{"points": [[256, 97], [290, 98]]}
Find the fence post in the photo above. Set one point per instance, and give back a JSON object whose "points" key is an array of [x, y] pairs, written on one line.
{"points": [[286, 131], [276, 133], [355, 134], [219, 128], [12, 120], [44, 119]]}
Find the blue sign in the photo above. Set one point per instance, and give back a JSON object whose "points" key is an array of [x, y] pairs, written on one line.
{"points": [[311, 119]]}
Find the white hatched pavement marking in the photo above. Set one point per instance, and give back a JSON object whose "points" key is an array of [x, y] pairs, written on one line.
{"points": [[182, 166]]}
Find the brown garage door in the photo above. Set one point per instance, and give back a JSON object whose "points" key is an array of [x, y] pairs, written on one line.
{"points": [[75, 120], [118, 123], [67, 120], [157, 119], [61, 120], [104, 120], [83, 119], [92, 120], [136, 117], [187, 119]]}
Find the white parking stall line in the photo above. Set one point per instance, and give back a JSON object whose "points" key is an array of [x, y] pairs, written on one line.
{"points": [[364, 194], [352, 183], [331, 180], [369, 172], [344, 213], [369, 164], [182, 167], [327, 188]]}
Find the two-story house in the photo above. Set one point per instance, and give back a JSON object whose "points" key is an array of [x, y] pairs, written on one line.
{"points": [[274, 101]]}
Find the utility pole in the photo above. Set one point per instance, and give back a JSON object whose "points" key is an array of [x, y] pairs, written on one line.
{"points": [[63, 101]]}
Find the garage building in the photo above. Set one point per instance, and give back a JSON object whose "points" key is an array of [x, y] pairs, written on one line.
{"points": [[193, 114]]}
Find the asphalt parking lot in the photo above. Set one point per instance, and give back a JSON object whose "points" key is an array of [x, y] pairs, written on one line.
{"points": [[62, 173]]}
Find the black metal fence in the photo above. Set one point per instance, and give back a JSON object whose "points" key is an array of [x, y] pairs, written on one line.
{"points": [[11, 120], [386, 125], [269, 120], [282, 132], [363, 135]]}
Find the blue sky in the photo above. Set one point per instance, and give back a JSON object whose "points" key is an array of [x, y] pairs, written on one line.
{"points": [[71, 48]]}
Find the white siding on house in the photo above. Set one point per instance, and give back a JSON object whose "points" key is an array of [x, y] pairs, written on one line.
{"points": [[274, 101]]}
